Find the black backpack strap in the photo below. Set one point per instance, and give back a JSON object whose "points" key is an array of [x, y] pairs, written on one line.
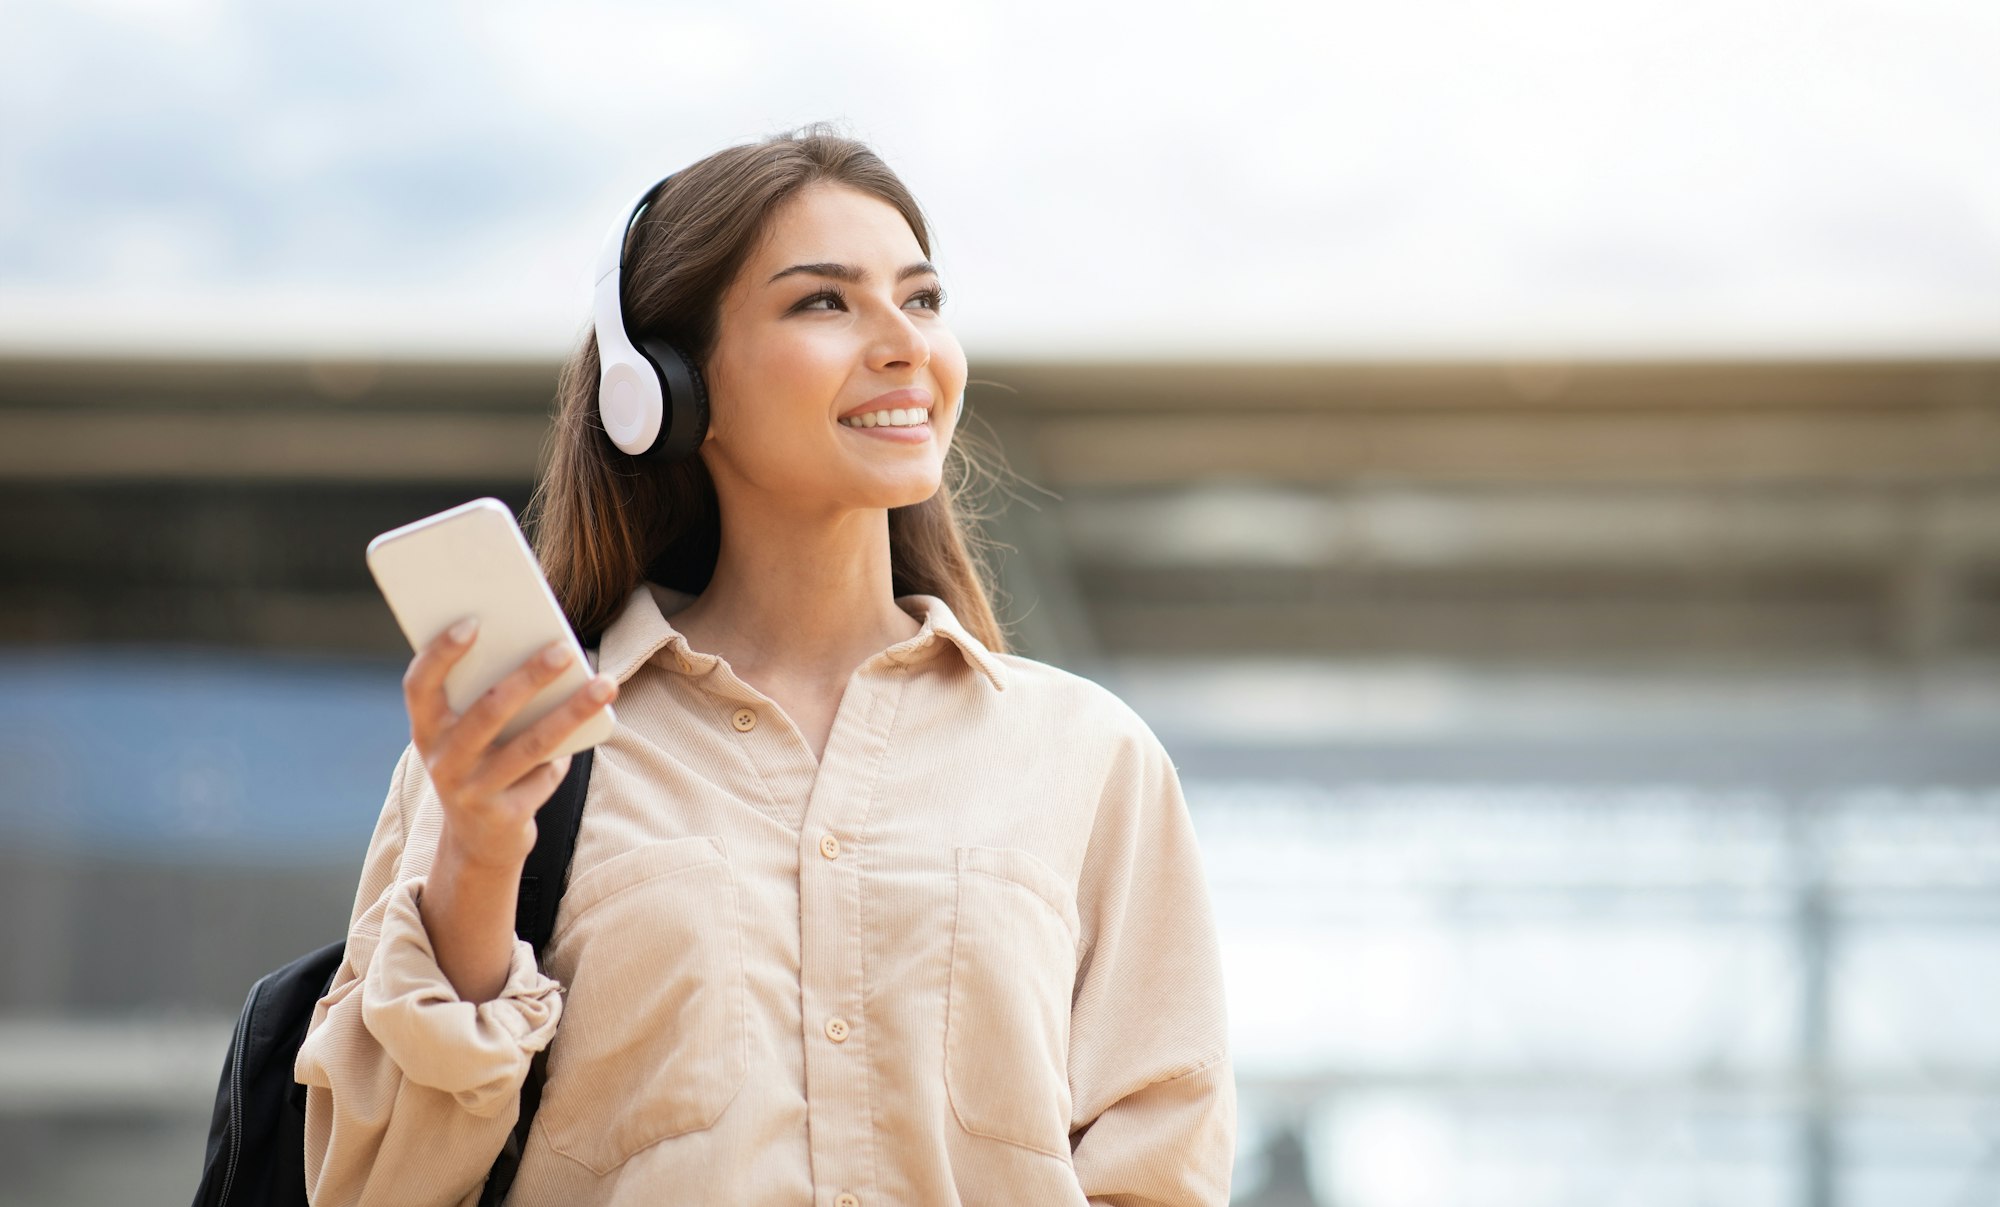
{"points": [[543, 879], [546, 873]]}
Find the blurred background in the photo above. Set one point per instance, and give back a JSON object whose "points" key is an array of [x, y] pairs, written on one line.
{"points": [[1537, 466]]}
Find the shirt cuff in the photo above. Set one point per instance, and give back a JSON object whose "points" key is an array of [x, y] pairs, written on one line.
{"points": [[477, 1053]]}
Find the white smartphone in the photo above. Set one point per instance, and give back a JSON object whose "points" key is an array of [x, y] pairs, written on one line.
{"points": [[472, 560]]}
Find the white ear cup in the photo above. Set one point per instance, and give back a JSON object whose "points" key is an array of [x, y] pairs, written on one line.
{"points": [[628, 403], [636, 385], [628, 390]]}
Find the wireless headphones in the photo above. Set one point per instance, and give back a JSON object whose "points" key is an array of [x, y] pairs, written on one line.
{"points": [[650, 397]]}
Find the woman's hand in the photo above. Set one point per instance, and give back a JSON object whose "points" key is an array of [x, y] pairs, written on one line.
{"points": [[491, 792]]}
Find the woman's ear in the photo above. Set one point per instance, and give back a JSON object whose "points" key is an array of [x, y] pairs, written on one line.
{"points": [[715, 407]]}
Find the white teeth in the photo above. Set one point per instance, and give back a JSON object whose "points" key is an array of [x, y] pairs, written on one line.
{"points": [[899, 417]]}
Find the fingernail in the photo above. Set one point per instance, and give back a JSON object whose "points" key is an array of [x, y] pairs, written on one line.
{"points": [[600, 689], [463, 630]]}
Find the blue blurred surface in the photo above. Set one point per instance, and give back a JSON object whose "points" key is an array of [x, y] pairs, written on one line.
{"points": [[196, 755]]}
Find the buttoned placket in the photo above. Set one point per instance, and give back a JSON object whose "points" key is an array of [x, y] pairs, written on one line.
{"points": [[828, 803]]}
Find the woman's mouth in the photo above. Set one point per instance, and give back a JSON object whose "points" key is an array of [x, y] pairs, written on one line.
{"points": [[909, 425]]}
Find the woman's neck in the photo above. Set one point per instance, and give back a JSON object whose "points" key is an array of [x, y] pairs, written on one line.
{"points": [[799, 600]]}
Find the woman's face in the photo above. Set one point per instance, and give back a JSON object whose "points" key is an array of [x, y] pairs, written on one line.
{"points": [[834, 309]]}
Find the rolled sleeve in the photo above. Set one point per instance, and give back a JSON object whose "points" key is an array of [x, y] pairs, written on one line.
{"points": [[411, 1091], [480, 1053]]}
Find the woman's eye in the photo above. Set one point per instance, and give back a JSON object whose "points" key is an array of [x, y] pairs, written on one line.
{"points": [[934, 296]]}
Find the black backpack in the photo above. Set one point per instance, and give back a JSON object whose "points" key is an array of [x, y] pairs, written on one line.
{"points": [[257, 1135]]}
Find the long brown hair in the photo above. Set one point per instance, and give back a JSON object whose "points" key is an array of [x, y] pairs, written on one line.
{"points": [[602, 522]]}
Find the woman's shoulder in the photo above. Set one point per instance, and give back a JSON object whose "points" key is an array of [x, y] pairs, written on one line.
{"points": [[1085, 704]]}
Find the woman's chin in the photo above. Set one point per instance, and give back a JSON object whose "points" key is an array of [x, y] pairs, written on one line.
{"points": [[902, 490]]}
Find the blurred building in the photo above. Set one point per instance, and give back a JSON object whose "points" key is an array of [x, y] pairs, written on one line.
{"points": [[1594, 761]]}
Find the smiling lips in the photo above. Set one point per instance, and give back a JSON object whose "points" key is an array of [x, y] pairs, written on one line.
{"points": [[906, 413], [894, 417]]}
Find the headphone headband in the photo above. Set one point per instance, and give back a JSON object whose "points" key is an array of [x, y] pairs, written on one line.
{"points": [[611, 257]]}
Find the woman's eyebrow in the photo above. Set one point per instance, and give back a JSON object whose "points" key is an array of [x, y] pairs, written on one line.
{"points": [[847, 272]]}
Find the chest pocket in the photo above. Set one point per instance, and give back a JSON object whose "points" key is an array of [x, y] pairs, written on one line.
{"points": [[1013, 968], [652, 1042]]}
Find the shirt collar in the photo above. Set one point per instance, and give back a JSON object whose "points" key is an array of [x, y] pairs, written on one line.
{"points": [[641, 630]]}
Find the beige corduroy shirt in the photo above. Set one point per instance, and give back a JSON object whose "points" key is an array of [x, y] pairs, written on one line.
{"points": [[968, 957]]}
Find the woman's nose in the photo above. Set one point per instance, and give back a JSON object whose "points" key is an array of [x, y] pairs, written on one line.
{"points": [[901, 341]]}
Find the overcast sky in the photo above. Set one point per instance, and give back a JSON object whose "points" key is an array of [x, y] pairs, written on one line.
{"points": [[1300, 179]]}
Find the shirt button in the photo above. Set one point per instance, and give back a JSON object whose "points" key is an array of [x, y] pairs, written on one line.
{"points": [[847, 1200], [830, 847], [745, 720], [836, 1030]]}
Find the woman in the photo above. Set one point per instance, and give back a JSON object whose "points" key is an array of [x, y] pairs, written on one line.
{"points": [[864, 909]]}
